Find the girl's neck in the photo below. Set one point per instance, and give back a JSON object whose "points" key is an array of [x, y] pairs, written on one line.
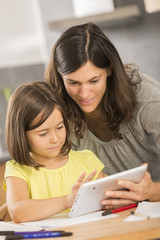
{"points": [[51, 163]]}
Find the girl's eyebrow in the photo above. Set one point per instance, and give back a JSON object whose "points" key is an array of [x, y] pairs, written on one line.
{"points": [[45, 129]]}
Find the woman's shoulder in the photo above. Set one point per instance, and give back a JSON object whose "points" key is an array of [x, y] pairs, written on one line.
{"points": [[149, 88], [148, 80], [144, 80], [146, 87], [148, 99]]}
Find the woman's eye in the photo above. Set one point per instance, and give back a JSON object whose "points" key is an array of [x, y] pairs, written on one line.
{"points": [[60, 127], [43, 134], [95, 81], [73, 83]]}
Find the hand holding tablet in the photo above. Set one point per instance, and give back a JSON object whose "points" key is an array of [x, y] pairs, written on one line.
{"points": [[91, 193]]}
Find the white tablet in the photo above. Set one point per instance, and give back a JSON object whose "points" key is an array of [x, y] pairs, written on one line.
{"points": [[91, 193]]}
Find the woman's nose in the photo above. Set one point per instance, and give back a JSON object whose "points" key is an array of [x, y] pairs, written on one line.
{"points": [[84, 92]]}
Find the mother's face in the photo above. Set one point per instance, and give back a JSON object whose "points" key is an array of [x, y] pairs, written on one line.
{"points": [[86, 86]]}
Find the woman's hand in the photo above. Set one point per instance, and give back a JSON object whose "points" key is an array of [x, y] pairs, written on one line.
{"points": [[76, 186], [146, 189]]}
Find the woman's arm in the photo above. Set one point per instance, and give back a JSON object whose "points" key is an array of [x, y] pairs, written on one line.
{"points": [[23, 209], [146, 189]]}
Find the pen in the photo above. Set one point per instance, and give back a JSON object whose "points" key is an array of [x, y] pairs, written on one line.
{"points": [[27, 232], [138, 214], [119, 209], [39, 235]]}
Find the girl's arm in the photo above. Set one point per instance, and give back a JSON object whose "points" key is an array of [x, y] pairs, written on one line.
{"points": [[4, 214], [23, 209]]}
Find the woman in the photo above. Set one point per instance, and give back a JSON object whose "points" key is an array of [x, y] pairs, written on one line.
{"points": [[113, 110]]}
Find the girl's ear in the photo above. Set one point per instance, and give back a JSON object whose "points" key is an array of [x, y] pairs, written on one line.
{"points": [[109, 70]]}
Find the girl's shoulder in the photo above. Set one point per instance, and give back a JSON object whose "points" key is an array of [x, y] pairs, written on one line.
{"points": [[84, 156], [12, 165], [82, 153]]}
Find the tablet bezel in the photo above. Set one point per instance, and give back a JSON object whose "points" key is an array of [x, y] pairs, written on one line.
{"points": [[91, 193]]}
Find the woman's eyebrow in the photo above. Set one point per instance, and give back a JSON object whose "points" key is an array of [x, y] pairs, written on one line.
{"points": [[72, 80]]}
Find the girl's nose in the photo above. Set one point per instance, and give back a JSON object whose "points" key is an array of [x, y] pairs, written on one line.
{"points": [[53, 138]]}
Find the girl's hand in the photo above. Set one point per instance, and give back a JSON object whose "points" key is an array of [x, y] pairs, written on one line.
{"points": [[76, 186], [146, 189]]}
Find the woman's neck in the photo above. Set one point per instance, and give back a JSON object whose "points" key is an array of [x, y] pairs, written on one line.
{"points": [[97, 124]]}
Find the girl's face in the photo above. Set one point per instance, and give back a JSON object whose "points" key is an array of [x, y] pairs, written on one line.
{"points": [[47, 140], [86, 86]]}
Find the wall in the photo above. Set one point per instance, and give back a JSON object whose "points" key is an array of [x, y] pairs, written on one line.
{"points": [[137, 40], [13, 77], [22, 40], [23, 51]]}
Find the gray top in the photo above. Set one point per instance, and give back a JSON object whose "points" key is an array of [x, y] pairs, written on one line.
{"points": [[141, 135]]}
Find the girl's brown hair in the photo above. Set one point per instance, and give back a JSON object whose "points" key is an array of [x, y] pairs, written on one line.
{"points": [[25, 104], [87, 42]]}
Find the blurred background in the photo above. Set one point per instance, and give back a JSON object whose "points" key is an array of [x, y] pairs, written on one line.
{"points": [[29, 29]]}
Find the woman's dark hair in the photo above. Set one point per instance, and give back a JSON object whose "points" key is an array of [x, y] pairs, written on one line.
{"points": [[25, 104], [87, 42]]}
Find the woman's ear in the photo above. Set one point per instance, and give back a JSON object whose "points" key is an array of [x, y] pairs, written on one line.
{"points": [[109, 70]]}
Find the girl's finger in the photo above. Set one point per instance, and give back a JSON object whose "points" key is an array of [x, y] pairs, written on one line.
{"points": [[81, 178], [90, 176]]}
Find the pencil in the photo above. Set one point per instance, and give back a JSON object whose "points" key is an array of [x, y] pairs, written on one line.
{"points": [[119, 209]]}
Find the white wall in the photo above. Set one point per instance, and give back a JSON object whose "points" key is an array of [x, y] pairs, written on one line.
{"points": [[22, 40], [84, 8]]}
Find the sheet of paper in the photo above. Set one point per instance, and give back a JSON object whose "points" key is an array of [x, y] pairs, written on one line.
{"points": [[61, 220], [151, 209], [6, 226]]}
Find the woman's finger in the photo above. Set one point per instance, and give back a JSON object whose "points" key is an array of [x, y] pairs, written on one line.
{"points": [[114, 203]]}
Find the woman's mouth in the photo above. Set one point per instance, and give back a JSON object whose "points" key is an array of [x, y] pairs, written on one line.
{"points": [[86, 101]]}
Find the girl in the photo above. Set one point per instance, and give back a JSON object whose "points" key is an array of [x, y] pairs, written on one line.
{"points": [[42, 179]]}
